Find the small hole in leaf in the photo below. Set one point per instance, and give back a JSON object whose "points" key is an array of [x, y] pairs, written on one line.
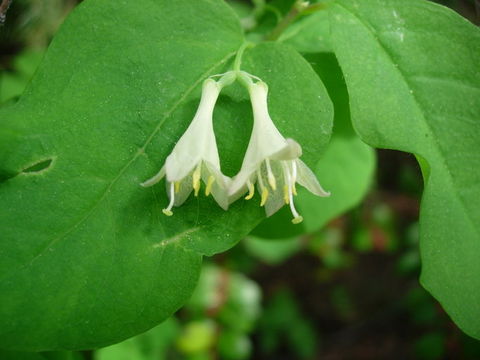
{"points": [[40, 166]]}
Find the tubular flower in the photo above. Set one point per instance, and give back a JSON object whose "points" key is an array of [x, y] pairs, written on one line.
{"points": [[195, 157], [271, 161]]}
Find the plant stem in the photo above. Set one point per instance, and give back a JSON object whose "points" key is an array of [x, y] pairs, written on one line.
{"points": [[238, 58], [298, 8]]}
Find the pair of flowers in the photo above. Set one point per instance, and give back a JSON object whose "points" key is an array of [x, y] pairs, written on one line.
{"points": [[271, 161]]}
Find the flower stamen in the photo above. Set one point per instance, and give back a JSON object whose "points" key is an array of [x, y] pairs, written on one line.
{"points": [[251, 190], [294, 177], [264, 196], [297, 218], [177, 186], [168, 210], [196, 179], [290, 180], [210, 182], [263, 188], [286, 198], [271, 178]]}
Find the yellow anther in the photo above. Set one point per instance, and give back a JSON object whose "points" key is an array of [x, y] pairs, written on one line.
{"points": [[271, 178], [264, 196], [167, 212], [251, 191], [196, 187], [285, 194], [297, 220], [196, 179], [177, 186], [294, 189], [210, 182]]}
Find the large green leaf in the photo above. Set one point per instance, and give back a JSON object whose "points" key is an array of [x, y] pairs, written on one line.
{"points": [[412, 70], [87, 258]]}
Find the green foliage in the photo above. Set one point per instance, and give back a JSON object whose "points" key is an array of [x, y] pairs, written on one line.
{"points": [[284, 323], [272, 251], [81, 234], [88, 259], [417, 90], [217, 319], [233, 345], [430, 347], [309, 35], [197, 337], [233, 298], [52, 355], [152, 345], [12, 83]]}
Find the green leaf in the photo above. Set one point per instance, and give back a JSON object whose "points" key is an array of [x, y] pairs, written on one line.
{"points": [[272, 251], [310, 34], [411, 68], [284, 326], [241, 296], [13, 83], [118, 86], [197, 337], [234, 345], [53, 355], [152, 345]]}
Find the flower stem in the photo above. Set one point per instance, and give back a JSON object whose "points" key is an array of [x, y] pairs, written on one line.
{"points": [[238, 58]]}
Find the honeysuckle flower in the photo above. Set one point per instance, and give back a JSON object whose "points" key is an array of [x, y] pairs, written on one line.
{"points": [[195, 157], [271, 161]]}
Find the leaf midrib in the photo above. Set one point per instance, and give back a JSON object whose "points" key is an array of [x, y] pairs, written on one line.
{"points": [[436, 146]]}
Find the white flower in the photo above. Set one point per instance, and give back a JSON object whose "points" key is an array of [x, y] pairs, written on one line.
{"points": [[195, 157], [271, 161]]}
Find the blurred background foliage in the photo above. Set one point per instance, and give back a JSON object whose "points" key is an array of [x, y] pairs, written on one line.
{"points": [[348, 291]]}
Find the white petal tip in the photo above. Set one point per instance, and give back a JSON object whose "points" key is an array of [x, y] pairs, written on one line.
{"points": [[297, 220], [167, 212], [150, 182]]}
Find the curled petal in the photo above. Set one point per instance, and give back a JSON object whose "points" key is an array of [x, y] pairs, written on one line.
{"points": [[307, 179], [155, 179]]}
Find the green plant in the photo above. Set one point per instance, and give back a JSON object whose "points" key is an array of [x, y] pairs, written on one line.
{"points": [[87, 257]]}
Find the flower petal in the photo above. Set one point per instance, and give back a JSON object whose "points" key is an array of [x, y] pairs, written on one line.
{"points": [[183, 189], [219, 188], [307, 179], [155, 179], [276, 199], [198, 142], [291, 151]]}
